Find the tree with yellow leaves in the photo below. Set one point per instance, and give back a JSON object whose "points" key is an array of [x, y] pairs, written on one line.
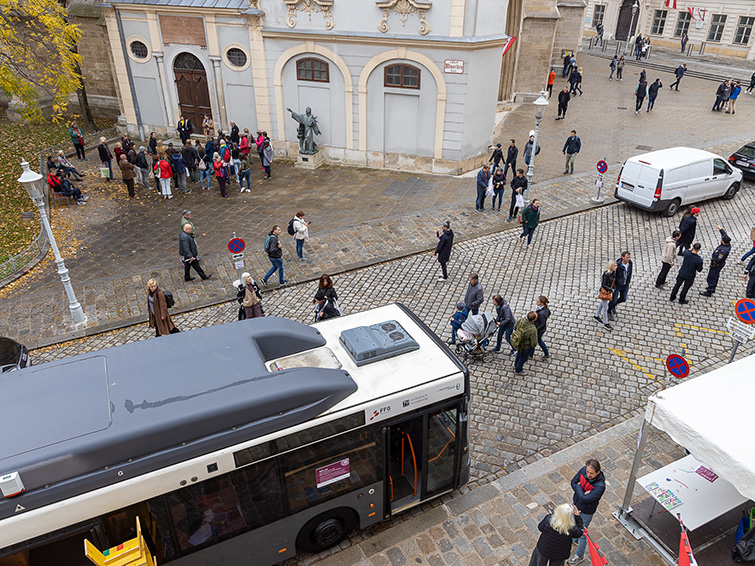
{"points": [[37, 54]]}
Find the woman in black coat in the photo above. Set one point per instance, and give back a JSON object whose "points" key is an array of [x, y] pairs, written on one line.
{"points": [[687, 227], [443, 250], [558, 530]]}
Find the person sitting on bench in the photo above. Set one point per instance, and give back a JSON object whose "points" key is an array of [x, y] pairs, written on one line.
{"points": [[67, 166], [61, 185]]}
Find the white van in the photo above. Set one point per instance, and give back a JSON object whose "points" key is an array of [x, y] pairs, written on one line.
{"points": [[667, 179]]}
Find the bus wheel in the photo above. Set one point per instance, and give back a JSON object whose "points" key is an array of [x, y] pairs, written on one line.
{"points": [[672, 208], [326, 530]]}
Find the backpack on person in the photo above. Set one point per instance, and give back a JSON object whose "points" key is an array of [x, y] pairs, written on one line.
{"points": [[516, 338], [266, 249], [169, 301], [291, 229]]}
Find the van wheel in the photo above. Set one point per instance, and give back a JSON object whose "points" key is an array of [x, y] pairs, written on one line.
{"points": [[672, 208], [728, 195], [326, 530]]}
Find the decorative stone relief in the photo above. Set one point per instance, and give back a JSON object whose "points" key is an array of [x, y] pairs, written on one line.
{"points": [[404, 9], [310, 7]]}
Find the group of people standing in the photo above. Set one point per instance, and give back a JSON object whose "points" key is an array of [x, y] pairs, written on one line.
{"points": [[727, 94]]}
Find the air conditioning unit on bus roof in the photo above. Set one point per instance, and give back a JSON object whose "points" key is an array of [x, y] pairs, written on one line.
{"points": [[367, 344], [11, 484]]}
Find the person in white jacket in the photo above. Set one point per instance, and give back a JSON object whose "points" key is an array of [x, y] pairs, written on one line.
{"points": [[667, 258], [301, 233]]}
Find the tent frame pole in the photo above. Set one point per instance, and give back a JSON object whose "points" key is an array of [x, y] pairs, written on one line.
{"points": [[644, 431]]}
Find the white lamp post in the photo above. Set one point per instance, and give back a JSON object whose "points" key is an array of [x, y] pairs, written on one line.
{"points": [[33, 185], [635, 7], [540, 105]]}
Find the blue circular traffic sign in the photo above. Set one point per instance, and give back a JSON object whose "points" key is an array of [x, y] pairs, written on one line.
{"points": [[745, 309], [236, 246], [677, 365], [602, 166]]}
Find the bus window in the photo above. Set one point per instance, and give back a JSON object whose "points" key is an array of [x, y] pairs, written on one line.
{"points": [[260, 493], [441, 452], [332, 467]]}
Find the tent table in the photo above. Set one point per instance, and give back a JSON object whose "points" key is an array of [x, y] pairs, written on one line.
{"points": [[685, 487]]}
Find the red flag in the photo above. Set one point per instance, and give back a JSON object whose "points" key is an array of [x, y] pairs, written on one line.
{"points": [[509, 43], [596, 556], [686, 558], [671, 4]]}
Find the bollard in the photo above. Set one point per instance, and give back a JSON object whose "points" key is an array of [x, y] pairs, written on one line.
{"points": [[702, 48]]}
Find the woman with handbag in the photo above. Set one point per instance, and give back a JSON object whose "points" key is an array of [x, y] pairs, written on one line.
{"points": [[221, 172], [606, 293], [77, 137], [518, 186], [250, 297]]}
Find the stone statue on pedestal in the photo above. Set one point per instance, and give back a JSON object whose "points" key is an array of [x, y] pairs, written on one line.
{"points": [[306, 133]]}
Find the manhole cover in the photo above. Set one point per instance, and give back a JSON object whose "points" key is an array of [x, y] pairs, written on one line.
{"points": [[644, 147], [621, 107]]}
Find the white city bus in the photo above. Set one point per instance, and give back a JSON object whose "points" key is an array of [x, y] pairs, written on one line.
{"points": [[237, 444]]}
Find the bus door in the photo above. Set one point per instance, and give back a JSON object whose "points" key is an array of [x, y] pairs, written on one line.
{"points": [[422, 457], [67, 550]]}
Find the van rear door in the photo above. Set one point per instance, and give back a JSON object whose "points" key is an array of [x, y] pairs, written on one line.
{"points": [[638, 182]]}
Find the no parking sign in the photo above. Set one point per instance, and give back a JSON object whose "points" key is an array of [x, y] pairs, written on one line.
{"points": [[677, 365]]}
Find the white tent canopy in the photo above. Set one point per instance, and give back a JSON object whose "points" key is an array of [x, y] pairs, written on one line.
{"points": [[713, 417]]}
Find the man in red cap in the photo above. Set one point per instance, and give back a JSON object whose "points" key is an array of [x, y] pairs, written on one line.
{"points": [[687, 227]]}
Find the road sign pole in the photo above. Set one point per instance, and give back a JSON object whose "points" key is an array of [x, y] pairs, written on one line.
{"points": [[733, 351], [602, 168], [235, 262]]}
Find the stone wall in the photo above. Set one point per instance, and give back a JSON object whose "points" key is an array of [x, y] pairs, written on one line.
{"points": [[535, 53], [569, 28]]}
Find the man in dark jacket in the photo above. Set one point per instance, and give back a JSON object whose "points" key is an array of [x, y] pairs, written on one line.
{"points": [[234, 133], [524, 340], [184, 129], [691, 266], [589, 485], [511, 155], [143, 165], [722, 94], [187, 248], [275, 255], [483, 177], [496, 158], [572, 147], [624, 270], [717, 262], [324, 309], [443, 249], [191, 157], [563, 103], [653, 93], [474, 297], [679, 73], [750, 275]]}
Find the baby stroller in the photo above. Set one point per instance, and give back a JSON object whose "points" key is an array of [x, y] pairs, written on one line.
{"points": [[474, 336]]}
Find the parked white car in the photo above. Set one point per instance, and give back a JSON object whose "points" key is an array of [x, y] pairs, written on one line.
{"points": [[665, 180]]}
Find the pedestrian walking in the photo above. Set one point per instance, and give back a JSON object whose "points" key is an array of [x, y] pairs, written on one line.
{"points": [[164, 172], [599, 31], [732, 101], [752, 84], [505, 320], [653, 93], [157, 306], [530, 220], [457, 320], [667, 258], [443, 249], [499, 187], [267, 158], [750, 276], [557, 529], [691, 266], [496, 158], [77, 139], [589, 485], [220, 168], [717, 262], [143, 167], [524, 340], [640, 92], [572, 63], [300, 229], [551, 80], [688, 227], [474, 297], [752, 250], [483, 178], [187, 248], [612, 65], [620, 68], [245, 173], [684, 40], [605, 295], [186, 219], [249, 297], [638, 47], [527, 151], [511, 154], [679, 74], [324, 309], [274, 252], [541, 323], [573, 78], [572, 146], [563, 103], [128, 175], [518, 186], [179, 171], [578, 84], [624, 271], [105, 157], [184, 129], [722, 94]]}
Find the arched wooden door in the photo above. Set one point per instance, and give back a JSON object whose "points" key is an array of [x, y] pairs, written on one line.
{"points": [[625, 20], [193, 92]]}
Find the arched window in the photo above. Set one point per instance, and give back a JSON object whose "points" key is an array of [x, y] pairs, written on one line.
{"points": [[402, 76], [188, 62], [311, 69]]}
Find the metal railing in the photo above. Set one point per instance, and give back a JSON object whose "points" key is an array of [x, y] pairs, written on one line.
{"points": [[16, 264]]}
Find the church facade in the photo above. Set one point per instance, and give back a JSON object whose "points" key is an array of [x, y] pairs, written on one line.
{"points": [[409, 84]]}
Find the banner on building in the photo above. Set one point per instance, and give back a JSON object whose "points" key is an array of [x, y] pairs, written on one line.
{"points": [[508, 45]]}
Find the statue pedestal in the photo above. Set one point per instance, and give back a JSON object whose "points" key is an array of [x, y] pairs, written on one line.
{"points": [[309, 161]]}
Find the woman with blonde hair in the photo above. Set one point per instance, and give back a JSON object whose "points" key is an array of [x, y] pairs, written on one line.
{"points": [[250, 297], [606, 293], [157, 305], [106, 158], [558, 529]]}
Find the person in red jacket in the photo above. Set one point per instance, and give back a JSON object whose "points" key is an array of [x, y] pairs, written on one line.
{"points": [[164, 172], [221, 173]]}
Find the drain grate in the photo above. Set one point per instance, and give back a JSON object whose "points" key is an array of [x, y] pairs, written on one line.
{"points": [[644, 147], [621, 107]]}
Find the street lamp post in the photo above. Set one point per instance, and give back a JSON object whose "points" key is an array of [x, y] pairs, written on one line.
{"points": [[32, 183], [540, 105], [635, 7]]}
